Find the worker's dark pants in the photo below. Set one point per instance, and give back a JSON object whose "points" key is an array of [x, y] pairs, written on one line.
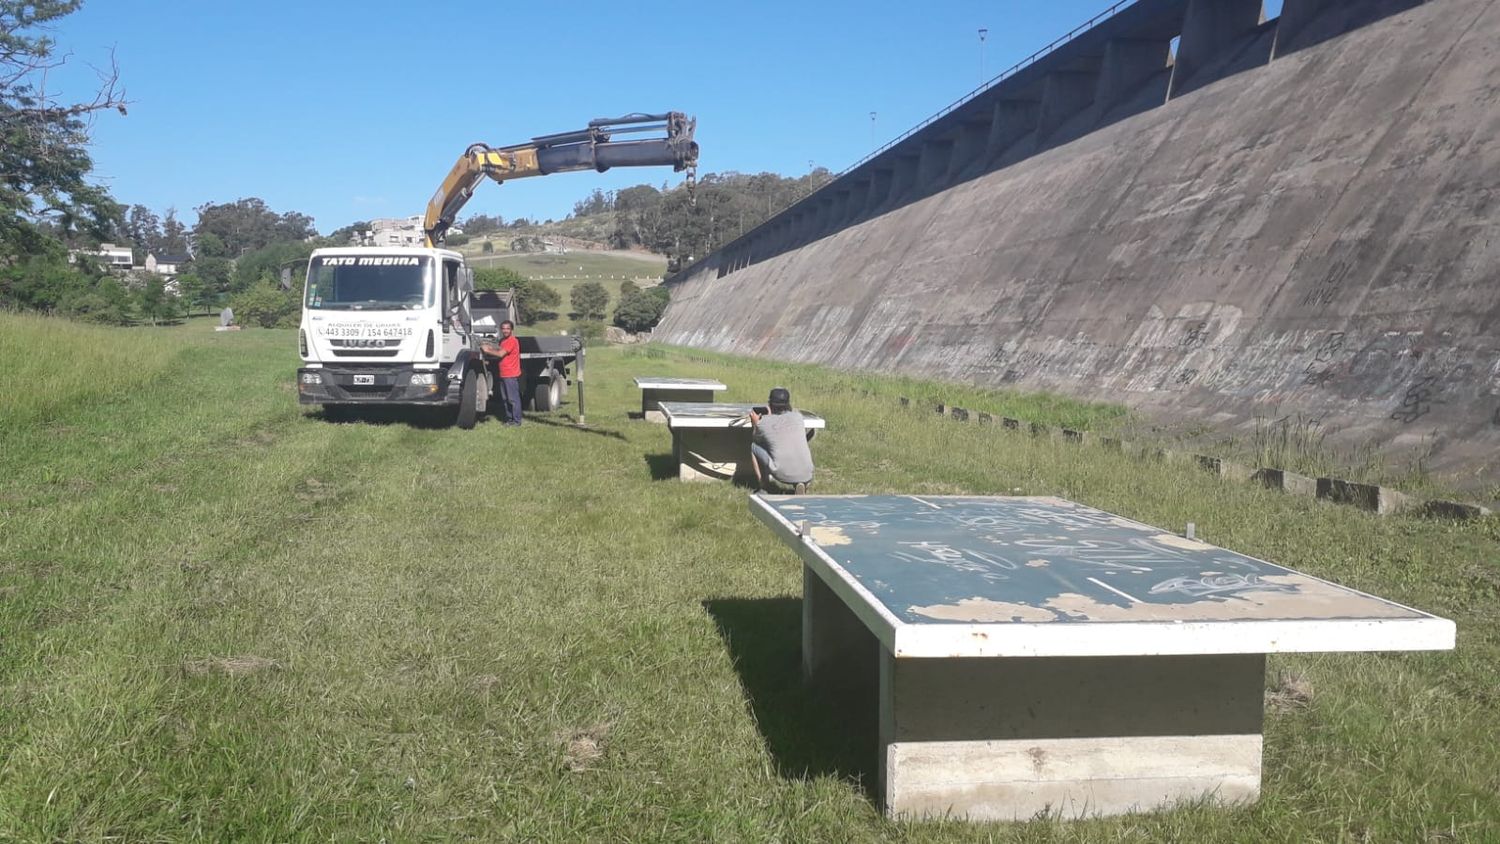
{"points": [[510, 398]]}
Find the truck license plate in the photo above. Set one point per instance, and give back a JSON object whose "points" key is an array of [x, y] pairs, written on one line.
{"points": [[364, 379]]}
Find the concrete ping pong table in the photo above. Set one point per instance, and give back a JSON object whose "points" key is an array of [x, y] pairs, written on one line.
{"points": [[1033, 654], [655, 390], [711, 440]]}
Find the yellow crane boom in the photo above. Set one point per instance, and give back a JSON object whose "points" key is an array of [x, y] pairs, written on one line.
{"points": [[593, 148]]}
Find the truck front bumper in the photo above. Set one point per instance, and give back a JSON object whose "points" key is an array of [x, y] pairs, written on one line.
{"points": [[373, 385]]}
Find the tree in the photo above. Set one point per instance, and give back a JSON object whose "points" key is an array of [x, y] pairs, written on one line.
{"points": [[641, 310], [267, 305], [211, 265], [347, 235], [497, 278], [143, 229], [248, 224], [628, 287], [536, 301], [479, 225], [589, 300], [45, 196], [268, 261], [597, 202], [487, 247], [194, 293], [154, 301], [173, 235]]}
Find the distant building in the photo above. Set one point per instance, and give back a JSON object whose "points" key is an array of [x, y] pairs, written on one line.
{"points": [[109, 255], [165, 264], [389, 231]]}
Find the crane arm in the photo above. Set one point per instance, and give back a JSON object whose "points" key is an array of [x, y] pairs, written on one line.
{"points": [[593, 148]]}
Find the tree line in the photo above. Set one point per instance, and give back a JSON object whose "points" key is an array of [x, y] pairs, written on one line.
{"points": [[689, 221]]}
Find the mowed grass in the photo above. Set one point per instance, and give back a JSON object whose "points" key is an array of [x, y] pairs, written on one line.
{"points": [[224, 618], [563, 272], [52, 363], [576, 266]]}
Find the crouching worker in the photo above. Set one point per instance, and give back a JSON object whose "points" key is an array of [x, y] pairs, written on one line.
{"points": [[778, 444]]}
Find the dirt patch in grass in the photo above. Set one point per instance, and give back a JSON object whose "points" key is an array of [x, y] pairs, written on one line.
{"points": [[231, 666], [260, 438], [582, 749], [1292, 691], [315, 491]]}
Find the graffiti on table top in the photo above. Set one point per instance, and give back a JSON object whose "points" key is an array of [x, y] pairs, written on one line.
{"points": [[1217, 584]]}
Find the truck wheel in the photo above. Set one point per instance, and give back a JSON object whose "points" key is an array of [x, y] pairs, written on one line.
{"points": [[557, 391], [542, 397], [468, 402]]}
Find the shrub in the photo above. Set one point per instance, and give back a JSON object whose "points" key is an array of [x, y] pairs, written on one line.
{"points": [[589, 300], [267, 306], [642, 310]]}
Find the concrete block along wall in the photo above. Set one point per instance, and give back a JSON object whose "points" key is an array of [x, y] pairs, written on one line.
{"points": [[1316, 236]]}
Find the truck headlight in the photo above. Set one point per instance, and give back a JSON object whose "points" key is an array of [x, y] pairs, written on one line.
{"points": [[312, 378], [423, 379]]}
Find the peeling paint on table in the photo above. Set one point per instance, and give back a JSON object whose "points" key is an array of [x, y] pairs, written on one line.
{"points": [[1039, 559]]}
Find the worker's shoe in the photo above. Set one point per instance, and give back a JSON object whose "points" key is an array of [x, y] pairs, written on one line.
{"points": [[799, 489]]}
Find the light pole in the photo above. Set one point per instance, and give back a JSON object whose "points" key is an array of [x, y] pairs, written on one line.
{"points": [[983, 34]]}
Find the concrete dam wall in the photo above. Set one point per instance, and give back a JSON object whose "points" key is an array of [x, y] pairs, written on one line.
{"points": [[1294, 217]]}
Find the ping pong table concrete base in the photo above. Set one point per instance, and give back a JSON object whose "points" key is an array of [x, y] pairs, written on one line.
{"points": [[1031, 655], [711, 441], [655, 390], [1007, 739]]}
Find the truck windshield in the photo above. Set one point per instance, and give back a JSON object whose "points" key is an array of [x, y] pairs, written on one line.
{"points": [[367, 282]]}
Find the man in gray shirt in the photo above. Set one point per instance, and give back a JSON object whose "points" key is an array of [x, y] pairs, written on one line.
{"points": [[778, 444]]}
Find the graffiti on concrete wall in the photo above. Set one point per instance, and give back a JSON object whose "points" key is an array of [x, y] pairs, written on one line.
{"points": [[1196, 336], [1418, 400], [1328, 291], [1321, 369]]}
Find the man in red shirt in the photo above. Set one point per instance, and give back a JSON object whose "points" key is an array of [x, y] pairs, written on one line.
{"points": [[509, 354]]}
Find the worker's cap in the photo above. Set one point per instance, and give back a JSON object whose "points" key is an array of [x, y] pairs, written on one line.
{"points": [[779, 395]]}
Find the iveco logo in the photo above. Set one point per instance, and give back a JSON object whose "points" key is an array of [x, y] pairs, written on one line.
{"points": [[367, 344]]}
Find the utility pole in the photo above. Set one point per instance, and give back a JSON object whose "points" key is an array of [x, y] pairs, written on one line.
{"points": [[983, 34]]}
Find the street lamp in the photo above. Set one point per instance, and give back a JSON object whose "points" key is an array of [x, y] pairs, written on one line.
{"points": [[983, 34]]}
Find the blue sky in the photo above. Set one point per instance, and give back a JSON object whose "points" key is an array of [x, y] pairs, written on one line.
{"points": [[348, 111]]}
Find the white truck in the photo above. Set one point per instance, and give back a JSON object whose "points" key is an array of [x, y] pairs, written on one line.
{"points": [[403, 326]]}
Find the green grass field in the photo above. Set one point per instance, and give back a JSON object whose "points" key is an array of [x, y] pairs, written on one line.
{"points": [[223, 618], [607, 268], [565, 271]]}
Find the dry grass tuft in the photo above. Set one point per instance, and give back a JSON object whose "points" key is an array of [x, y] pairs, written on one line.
{"points": [[582, 749], [1291, 692], [231, 666]]}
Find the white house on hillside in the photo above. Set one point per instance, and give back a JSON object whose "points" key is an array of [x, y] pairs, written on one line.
{"points": [[111, 256], [391, 231], [165, 264]]}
